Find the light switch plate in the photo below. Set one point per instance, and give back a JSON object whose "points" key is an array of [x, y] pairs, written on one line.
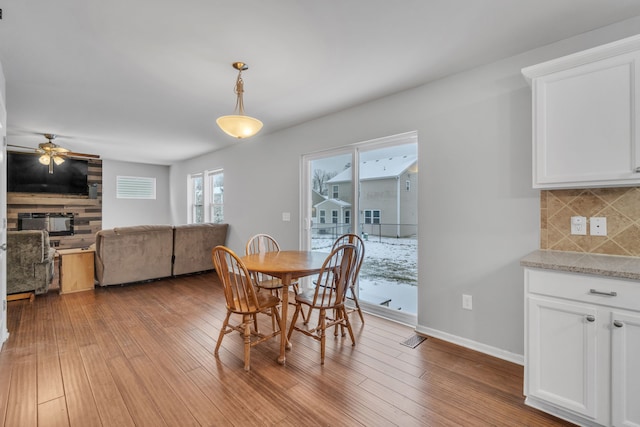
{"points": [[598, 226], [579, 225], [286, 216]]}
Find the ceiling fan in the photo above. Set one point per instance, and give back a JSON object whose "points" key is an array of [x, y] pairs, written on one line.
{"points": [[51, 153]]}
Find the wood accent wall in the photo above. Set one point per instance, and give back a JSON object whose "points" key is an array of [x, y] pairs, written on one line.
{"points": [[87, 213]]}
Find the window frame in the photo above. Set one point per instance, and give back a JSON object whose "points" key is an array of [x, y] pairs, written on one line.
{"points": [[208, 207], [372, 216]]}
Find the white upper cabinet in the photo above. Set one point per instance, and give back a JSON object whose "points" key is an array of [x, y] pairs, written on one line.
{"points": [[586, 118]]}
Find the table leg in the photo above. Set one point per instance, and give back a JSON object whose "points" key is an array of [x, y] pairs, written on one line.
{"points": [[284, 342]]}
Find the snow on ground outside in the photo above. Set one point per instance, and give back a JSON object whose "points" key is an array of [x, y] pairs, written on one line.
{"points": [[389, 271]]}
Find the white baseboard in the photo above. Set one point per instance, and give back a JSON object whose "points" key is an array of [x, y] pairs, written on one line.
{"points": [[473, 345], [4, 335]]}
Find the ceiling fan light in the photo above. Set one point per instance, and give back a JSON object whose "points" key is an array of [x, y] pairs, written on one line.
{"points": [[44, 159], [239, 126], [58, 160]]}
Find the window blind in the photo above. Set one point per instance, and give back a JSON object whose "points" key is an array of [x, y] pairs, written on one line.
{"points": [[135, 187]]}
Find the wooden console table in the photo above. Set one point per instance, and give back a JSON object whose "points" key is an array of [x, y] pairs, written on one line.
{"points": [[76, 270]]}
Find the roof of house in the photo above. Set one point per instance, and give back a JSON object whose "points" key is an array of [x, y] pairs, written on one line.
{"points": [[337, 202], [391, 167]]}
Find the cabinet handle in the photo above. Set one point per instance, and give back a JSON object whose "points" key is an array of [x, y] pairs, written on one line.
{"points": [[609, 294], [618, 324], [591, 318]]}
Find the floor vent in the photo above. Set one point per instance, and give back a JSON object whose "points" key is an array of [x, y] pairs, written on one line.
{"points": [[413, 341]]}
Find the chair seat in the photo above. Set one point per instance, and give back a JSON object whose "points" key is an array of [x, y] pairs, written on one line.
{"points": [[307, 298], [264, 301], [274, 283]]}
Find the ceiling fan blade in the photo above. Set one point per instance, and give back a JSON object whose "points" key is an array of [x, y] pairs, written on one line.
{"points": [[21, 146], [74, 154]]}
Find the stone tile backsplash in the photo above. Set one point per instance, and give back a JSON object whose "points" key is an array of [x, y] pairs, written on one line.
{"points": [[621, 207]]}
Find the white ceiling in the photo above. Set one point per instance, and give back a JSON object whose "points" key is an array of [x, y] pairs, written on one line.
{"points": [[144, 80]]}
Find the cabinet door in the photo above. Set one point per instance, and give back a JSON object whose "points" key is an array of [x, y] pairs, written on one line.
{"points": [[561, 354], [625, 368], [584, 125]]}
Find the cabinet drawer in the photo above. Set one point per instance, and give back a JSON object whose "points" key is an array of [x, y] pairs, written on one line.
{"points": [[599, 290]]}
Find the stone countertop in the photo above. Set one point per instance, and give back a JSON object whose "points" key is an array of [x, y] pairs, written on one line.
{"points": [[576, 262]]}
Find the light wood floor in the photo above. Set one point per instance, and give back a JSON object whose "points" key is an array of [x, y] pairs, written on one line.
{"points": [[143, 355]]}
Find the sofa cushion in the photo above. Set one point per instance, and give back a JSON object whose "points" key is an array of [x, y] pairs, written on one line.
{"points": [[133, 254], [192, 245]]}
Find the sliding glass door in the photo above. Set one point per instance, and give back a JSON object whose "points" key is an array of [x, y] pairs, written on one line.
{"points": [[381, 208]]}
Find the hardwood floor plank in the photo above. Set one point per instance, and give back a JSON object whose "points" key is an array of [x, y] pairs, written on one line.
{"points": [[22, 405], [77, 390], [49, 377], [109, 401], [135, 394], [53, 413], [142, 354], [171, 407], [202, 408]]}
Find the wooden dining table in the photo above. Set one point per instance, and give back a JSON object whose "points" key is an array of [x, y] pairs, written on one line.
{"points": [[287, 266]]}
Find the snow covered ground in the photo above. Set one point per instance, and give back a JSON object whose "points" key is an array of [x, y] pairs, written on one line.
{"points": [[389, 271]]}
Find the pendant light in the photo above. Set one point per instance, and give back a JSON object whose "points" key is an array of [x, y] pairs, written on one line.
{"points": [[239, 125]]}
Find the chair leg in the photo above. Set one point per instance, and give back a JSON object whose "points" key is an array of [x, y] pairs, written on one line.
{"points": [[305, 320], [348, 323], [223, 330], [357, 303], [246, 322], [293, 321], [323, 325]]}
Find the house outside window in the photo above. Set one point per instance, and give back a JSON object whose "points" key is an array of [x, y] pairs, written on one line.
{"points": [[347, 216], [323, 216], [372, 216], [334, 216], [334, 192]]}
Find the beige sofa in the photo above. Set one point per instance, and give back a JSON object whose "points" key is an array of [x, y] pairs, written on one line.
{"points": [[29, 262], [147, 252]]}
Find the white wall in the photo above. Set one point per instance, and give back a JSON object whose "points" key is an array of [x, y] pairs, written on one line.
{"points": [[127, 212], [477, 212]]}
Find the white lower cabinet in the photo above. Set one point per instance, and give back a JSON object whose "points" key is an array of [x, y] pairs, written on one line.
{"points": [[625, 368], [582, 347]]}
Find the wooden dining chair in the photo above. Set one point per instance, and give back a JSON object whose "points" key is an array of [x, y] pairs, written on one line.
{"points": [[261, 243], [241, 298], [328, 297], [353, 280]]}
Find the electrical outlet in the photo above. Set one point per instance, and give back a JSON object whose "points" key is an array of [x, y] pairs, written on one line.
{"points": [[579, 225], [467, 302], [598, 226]]}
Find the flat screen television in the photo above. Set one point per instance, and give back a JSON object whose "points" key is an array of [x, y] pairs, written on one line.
{"points": [[25, 174]]}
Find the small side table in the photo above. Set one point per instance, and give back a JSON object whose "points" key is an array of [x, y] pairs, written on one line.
{"points": [[76, 270]]}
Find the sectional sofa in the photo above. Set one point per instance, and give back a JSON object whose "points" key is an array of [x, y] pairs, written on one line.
{"points": [[147, 252]]}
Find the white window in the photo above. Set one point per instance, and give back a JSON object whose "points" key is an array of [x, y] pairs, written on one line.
{"points": [[372, 216], [206, 190], [216, 196], [196, 202], [334, 216], [347, 216], [408, 185], [135, 187], [323, 216], [334, 192]]}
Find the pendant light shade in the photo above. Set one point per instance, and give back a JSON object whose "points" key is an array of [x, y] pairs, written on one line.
{"points": [[239, 125]]}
